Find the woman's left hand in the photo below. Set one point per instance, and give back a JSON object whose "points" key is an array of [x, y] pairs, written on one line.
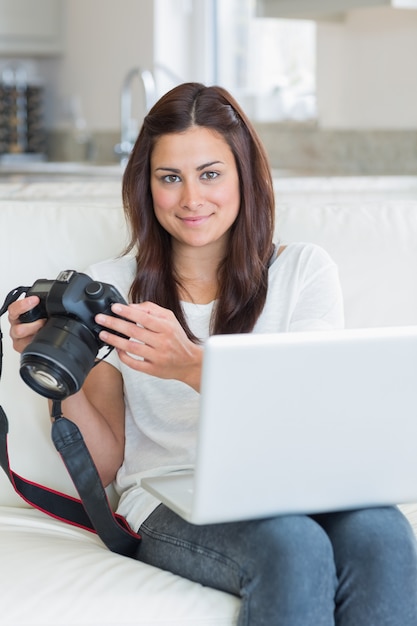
{"points": [[157, 344]]}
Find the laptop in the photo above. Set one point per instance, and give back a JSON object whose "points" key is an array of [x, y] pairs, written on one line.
{"points": [[301, 423]]}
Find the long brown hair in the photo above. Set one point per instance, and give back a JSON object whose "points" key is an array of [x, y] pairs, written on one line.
{"points": [[243, 273]]}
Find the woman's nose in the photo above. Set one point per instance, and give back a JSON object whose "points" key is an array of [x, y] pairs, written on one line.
{"points": [[192, 197]]}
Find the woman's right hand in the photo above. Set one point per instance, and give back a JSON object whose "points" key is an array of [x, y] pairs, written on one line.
{"points": [[23, 333]]}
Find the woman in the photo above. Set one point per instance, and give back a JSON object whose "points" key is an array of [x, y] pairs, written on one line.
{"points": [[198, 195]]}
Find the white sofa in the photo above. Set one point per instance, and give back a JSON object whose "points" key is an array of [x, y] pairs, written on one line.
{"points": [[52, 574]]}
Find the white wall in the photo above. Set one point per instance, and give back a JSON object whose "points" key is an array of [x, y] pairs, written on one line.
{"points": [[183, 30], [103, 40], [367, 75], [172, 40]]}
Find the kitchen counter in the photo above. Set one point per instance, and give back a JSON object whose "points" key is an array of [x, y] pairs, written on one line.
{"points": [[64, 181]]}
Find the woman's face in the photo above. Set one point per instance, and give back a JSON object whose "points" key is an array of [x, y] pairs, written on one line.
{"points": [[195, 187]]}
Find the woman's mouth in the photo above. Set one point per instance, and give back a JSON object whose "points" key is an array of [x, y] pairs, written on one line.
{"points": [[195, 220]]}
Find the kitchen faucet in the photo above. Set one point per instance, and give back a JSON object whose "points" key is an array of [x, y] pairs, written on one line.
{"points": [[129, 125]]}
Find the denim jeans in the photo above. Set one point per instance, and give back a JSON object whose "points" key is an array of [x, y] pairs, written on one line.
{"points": [[353, 568]]}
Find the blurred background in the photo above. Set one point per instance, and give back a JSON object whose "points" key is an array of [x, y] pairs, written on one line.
{"points": [[331, 85]]}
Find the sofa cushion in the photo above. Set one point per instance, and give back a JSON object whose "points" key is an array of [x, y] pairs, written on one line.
{"points": [[53, 574], [374, 246]]}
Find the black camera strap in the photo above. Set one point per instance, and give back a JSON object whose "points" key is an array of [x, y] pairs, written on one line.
{"points": [[92, 511], [12, 296], [113, 529], [47, 500]]}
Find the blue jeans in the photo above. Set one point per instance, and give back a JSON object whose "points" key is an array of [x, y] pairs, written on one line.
{"points": [[354, 568]]}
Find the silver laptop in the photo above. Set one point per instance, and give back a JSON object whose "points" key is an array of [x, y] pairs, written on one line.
{"points": [[301, 423]]}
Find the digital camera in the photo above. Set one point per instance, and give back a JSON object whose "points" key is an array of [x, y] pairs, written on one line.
{"points": [[56, 363]]}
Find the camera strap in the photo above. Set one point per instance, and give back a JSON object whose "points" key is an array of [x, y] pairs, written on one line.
{"points": [[12, 296], [113, 529], [92, 511]]}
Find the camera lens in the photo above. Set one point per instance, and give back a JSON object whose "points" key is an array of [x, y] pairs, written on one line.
{"points": [[47, 380], [59, 358]]}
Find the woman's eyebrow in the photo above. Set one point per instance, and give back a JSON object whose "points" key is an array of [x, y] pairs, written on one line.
{"points": [[167, 169], [202, 167]]}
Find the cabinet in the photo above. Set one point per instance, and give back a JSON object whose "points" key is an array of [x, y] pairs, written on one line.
{"points": [[323, 9], [31, 27]]}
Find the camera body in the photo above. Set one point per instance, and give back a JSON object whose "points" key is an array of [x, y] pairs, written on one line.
{"points": [[57, 361], [73, 295]]}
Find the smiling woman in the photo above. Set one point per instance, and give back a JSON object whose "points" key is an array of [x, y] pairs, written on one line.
{"points": [[195, 191], [198, 195]]}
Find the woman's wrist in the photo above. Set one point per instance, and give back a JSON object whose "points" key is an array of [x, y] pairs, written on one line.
{"points": [[193, 378]]}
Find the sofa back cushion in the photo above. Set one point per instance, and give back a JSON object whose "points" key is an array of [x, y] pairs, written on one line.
{"points": [[375, 247]]}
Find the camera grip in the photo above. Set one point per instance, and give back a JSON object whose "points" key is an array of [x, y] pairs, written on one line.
{"points": [[31, 316]]}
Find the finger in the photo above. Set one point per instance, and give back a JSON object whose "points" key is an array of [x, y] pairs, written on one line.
{"points": [[22, 306], [143, 309], [23, 331], [140, 365], [154, 309], [116, 324], [132, 320], [133, 346]]}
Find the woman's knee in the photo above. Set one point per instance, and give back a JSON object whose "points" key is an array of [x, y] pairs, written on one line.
{"points": [[378, 530], [376, 542], [376, 560], [291, 568], [294, 544]]}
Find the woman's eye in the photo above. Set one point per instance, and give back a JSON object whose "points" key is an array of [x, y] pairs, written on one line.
{"points": [[210, 175], [171, 178]]}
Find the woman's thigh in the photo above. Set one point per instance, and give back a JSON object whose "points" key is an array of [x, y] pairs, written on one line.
{"points": [[282, 568]]}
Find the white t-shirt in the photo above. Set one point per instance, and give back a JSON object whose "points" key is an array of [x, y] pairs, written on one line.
{"points": [[161, 415]]}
